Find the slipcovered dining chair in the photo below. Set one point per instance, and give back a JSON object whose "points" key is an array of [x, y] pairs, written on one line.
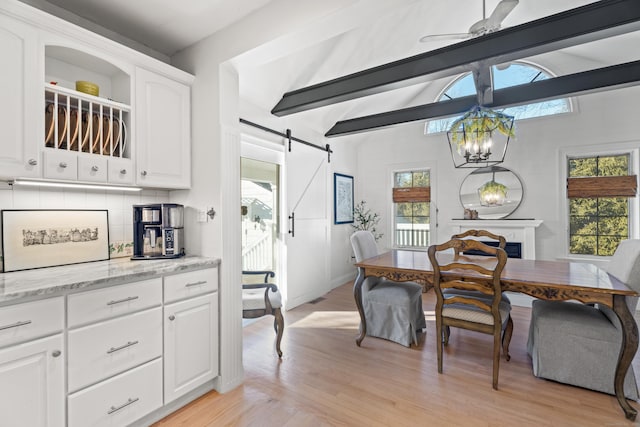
{"points": [[488, 314], [262, 299], [578, 344], [392, 310]]}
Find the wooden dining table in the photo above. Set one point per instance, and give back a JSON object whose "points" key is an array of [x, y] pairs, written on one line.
{"points": [[548, 280]]}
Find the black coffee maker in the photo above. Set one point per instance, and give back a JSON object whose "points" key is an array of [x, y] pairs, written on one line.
{"points": [[158, 231]]}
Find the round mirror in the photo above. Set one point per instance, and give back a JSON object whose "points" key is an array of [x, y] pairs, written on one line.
{"points": [[494, 192]]}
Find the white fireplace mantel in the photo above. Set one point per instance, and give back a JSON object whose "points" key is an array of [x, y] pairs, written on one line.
{"points": [[514, 230]]}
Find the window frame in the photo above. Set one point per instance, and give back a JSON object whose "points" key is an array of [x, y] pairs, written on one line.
{"points": [[447, 87], [433, 221], [601, 150]]}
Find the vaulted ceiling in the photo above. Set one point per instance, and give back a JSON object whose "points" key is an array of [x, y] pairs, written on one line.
{"points": [[393, 34]]}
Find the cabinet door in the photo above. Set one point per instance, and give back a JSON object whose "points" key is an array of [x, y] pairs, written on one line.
{"points": [[190, 344], [32, 384], [20, 111], [163, 131]]}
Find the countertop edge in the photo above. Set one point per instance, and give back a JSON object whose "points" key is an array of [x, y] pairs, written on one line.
{"points": [[53, 281]]}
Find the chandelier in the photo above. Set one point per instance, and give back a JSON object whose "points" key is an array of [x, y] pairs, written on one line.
{"points": [[492, 193], [480, 137]]}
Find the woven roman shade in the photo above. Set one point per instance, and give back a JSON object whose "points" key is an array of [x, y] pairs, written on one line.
{"points": [[412, 194], [602, 186]]}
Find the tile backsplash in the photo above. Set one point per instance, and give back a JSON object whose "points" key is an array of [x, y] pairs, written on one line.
{"points": [[118, 204]]}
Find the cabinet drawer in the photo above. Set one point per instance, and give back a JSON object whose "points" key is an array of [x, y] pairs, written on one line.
{"points": [[118, 401], [120, 171], [109, 348], [60, 165], [190, 284], [92, 168], [101, 304], [30, 320]]}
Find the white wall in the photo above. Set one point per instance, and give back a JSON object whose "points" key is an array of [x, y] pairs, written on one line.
{"points": [[344, 161], [599, 120]]}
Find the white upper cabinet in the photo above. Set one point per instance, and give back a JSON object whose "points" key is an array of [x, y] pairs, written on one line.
{"points": [[85, 134], [135, 131], [163, 131], [19, 107]]}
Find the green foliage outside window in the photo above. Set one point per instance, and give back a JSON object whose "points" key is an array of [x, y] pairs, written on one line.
{"points": [[598, 224]]}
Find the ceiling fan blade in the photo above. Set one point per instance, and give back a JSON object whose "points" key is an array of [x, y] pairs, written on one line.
{"points": [[501, 11], [452, 36]]}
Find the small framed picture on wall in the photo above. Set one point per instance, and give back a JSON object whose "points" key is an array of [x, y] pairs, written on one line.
{"points": [[342, 199]]}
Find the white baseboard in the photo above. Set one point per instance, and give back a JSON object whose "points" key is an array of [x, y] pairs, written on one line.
{"points": [[349, 277]]}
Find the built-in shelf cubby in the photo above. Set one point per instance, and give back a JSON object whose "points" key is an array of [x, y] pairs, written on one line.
{"points": [[79, 122]]}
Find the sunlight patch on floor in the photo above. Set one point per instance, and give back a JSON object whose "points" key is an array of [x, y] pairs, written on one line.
{"points": [[328, 319]]}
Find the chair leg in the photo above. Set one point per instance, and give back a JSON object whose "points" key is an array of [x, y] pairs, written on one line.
{"points": [[445, 337], [439, 343], [506, 338], [496, 358], [279, 327]]}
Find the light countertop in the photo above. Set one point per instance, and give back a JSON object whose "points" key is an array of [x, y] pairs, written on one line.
{"points": [[52, 281]]}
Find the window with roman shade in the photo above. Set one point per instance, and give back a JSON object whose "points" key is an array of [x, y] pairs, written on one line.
{"points": [[411, 205], [598, 189]]}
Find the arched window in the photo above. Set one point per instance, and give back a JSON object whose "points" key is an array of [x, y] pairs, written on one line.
{"points": [[516, 73]]}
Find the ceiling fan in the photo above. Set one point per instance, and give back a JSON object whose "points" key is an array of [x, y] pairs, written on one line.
{"points": [[484, 26]]}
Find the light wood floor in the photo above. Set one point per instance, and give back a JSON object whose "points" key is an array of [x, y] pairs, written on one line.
{"points": [[324, 379]]}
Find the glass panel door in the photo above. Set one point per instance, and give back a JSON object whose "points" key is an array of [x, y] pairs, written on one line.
{"points": [[260, 213]]}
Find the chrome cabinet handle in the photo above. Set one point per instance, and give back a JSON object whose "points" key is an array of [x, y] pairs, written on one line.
{"points": [[122, 300], [124, 405], [33, 162], [56, 353], [95, 168], [122, 347], [123, 172], [63, 165], [15, 325], [172, 317], [143, 173], [201, 282]]}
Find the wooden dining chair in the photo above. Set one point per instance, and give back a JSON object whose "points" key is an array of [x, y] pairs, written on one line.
{"points": [[263, 299], [502, 242], [488, 314]]}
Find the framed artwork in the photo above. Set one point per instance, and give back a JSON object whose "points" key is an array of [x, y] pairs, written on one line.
{"points": [[46, 238], [342, 199]]}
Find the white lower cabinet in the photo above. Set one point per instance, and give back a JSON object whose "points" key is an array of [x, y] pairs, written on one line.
{"points": [[108, 360], [120, 400], [32, 384], [107, 348], [190, 344]]}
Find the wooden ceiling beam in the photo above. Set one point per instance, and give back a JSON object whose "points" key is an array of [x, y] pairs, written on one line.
{"points": [[606, 78], [591, 22]]}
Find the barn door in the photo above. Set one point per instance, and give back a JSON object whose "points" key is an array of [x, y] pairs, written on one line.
{"points": [[308, 234]]}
